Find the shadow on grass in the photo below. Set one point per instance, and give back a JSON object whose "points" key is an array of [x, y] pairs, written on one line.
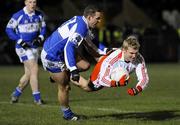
{"points": [[154, 115]]}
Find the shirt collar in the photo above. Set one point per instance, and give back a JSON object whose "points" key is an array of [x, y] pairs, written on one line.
{"points": [[85, 20], [26, 12]]}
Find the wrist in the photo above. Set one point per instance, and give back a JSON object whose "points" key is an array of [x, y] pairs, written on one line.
{"points": [[113, 83], [139, 88], [41, 37], [19, 41]]}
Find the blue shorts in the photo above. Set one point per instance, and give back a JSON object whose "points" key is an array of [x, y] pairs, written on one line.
{"points": [[52, 66]]}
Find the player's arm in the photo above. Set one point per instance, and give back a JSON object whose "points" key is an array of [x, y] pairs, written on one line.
{"points": [[108, 82], [143, 80], [91, 48], [43, 28], [69, 54], [10, 29], [39, 40]]}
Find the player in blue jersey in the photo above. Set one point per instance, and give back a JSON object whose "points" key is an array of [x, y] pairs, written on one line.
{"points": [[59, 54], [27, 27]]}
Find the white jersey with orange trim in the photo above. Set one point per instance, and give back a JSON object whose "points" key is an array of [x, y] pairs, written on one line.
{"points": [[101, 76]]}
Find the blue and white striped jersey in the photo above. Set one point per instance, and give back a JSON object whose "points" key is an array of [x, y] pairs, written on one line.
{"points": [[26, 27], [60, 46]]}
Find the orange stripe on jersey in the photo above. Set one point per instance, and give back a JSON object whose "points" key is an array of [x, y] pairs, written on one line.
{"points": [[143, 75], [116, 58], [97, 68]]}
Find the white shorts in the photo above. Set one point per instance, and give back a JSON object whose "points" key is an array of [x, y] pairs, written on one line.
{"points": [[28, 54], [52, 66]]}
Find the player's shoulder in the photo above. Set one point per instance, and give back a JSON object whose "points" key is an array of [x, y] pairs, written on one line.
{"points": [[139, 59], [81, 21], [38, 13], [17, 14], [82, 26]]}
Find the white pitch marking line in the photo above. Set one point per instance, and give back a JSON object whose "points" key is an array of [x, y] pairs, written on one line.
{"points": [[82, 107]]}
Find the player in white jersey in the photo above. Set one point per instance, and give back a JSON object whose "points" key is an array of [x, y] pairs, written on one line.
{"points": [[59, 54], [27, 27], [127, 57]]}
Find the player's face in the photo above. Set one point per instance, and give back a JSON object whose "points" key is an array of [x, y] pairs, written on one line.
{"points": [[31, 5], [94, 20], [130, 54]]}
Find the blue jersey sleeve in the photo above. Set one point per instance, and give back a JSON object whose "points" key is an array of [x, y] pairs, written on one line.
{"points": [[80, 31], [42, 25], [11, 26]]}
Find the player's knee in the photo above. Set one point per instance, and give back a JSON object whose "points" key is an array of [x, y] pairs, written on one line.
{"points": [[85, 67], [64, 87], [67, 87]]}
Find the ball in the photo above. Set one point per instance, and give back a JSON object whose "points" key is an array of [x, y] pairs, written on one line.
{"points": [[119, 73]]}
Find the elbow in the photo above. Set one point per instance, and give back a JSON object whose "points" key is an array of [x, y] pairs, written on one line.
{"points": [[9, 32]]}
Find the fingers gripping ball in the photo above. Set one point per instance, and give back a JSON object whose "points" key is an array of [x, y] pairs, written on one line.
{"points": [[119, 76]]}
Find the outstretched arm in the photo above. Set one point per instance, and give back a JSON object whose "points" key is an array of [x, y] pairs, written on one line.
{"points": [[143, 79], [83, 83]]}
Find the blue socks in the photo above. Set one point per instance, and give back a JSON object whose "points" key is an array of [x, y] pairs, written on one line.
{"points": [[17, 92], [36, 96], [67, 112]]}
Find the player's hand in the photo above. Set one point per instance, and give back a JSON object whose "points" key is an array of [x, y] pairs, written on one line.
{"points": [[134, 91], [109, 51], [37, 41], [116, 84], [122, 82], [75, 75], [23, 44]]}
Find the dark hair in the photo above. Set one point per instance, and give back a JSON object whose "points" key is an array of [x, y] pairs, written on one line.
{"points": [[91, 10]]}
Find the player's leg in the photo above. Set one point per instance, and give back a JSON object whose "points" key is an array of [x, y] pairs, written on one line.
{"points": [[32, 66], [24, 80], [82, 64], [62, 80]]}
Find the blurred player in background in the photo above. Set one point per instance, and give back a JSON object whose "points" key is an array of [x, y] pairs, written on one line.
{"points": [[127, 57], [27, 27], [59, 55]]}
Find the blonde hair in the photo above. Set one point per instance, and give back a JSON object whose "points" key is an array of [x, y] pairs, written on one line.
{"points": [[131, 41]]}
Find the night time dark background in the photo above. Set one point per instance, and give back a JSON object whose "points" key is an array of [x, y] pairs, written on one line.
{"points": [[156, 23]]}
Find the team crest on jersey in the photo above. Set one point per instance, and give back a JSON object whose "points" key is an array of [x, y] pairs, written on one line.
{"points": [[25, 21], [36, 20], [78, 38]]}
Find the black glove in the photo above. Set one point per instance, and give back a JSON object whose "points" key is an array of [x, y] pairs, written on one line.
{"points": [[24, 45], [109, 51], [75, 75], [37, 41]]}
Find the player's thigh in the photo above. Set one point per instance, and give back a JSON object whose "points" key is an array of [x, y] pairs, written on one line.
{"points": [[82, 64], [31, 65], [60, 77]]}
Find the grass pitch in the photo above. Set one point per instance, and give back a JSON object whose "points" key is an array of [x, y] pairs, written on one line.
{"points": [[159, 104]]}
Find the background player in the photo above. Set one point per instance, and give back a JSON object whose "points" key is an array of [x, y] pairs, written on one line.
{"points": [[27, 27]]}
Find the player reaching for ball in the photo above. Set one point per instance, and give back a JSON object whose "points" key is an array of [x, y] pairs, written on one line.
{"points": [[128, 59]]}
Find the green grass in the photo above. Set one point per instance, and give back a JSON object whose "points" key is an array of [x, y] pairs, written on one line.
{"points": [[159, 104]]}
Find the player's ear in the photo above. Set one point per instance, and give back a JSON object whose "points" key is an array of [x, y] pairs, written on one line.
{"points": [[25, 2], [89, 17]]}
